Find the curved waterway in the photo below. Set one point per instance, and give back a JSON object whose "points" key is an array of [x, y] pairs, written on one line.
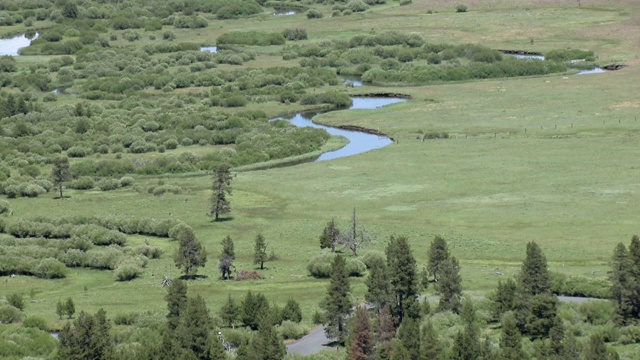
{"points": [[359, 141], [11, 46]]}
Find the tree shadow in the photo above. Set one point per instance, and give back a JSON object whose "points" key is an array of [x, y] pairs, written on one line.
{"points": [[193, 277], [61, 198], [224, 219]]}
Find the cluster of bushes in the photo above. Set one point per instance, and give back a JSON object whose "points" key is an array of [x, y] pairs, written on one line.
{"points": [[25, 186], [256, 38], [580, 286], [319, 266], [569, 54]]}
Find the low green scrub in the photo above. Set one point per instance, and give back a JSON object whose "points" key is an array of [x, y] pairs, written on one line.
{"points": [[319, 266], [290, 330], [255, 38], [26, 343], [569, 54], [580, 286]]}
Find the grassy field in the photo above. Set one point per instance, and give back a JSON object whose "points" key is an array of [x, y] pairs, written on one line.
{"points": [[548, 159]]}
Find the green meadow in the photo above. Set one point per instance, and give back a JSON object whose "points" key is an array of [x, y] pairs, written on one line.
{"points": [[551, 159]]}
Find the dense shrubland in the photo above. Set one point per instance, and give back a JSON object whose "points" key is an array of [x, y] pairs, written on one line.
{"points": [[46, 248]]}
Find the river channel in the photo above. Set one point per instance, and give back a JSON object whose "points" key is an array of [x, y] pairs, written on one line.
{"points": [[359, 142]]}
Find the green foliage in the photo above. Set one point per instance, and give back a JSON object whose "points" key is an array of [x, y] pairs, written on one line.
{"points": [[254, 309], [291, 330], [337, 302], [534, 275], [87, 337], [9, 314], [255, 38], [461, 8], [221, 187], [50, 268], [579, 286], [16, 300], [36, 322], [449, 285], [403, 276], [8, 64], [319, 266], [190, 254], [295, 34], [26, 342], [291, 311], [569, 54], [438, 254]]}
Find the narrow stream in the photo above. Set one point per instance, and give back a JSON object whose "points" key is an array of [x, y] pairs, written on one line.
{"points": [[11, 46], [359, 142]]}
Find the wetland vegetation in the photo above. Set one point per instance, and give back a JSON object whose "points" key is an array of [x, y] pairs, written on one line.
{"points": [[146, 100]]}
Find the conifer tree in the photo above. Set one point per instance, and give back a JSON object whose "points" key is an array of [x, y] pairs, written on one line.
{"points": [[260, 251], [398, 351], [402, 275], [438, 253], [221, 189], [385, 331], [449, 286], [596, 348], [87, 338], [230, 312], [534, 275], [60, 172], [266, 344], [356, 237], [255, 308], [466, 344], [409, 335], [510, 340], [378, 290], [195, 328], [330, 236], [571, 348], [431, 347], [621, 288], [291, 311], [503, 299], [634, 259], [225, 262], [337, 302], [361, 339], [190, 254], [176, 302], [556, 339]]}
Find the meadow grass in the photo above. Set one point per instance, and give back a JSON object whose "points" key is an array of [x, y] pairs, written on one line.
{"points": [[568, 182]]}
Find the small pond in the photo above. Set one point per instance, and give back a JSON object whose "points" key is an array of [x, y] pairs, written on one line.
{"points": [[595, 70], [359, 142], [284, 11], [352, 82], [519, 56], [11, 46], [211, 49]]}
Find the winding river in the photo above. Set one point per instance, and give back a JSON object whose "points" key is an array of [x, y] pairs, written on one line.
{"points": [[11, 46], [359, 142]]}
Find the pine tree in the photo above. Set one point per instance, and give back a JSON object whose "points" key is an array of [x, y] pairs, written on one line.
{"points": [[195, 328], [510, 340], [385, 331], [449, 286], [87, 338], [596, 349], [230, 312], [330, 236], [402, 275], [634, 259], [468, 311], [190, 254], [466, 344], [438, 253], [337, 302], [221, 188], [60, 173], [542, 310], [260, 251], [254, 309], [431, 347], [503, 299], [398, 351], [361, 340], [216, 349], [225, 262], [621, 288], [69, 308], [409, 335], [267, 344], [378, 290], [176, 299], [291, 311], [534, 275]]}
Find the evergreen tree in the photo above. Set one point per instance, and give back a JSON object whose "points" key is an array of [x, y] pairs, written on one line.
{"points": [[216, 349], [398, 351], [503, 299], [69, 308], [60, 309], [466, 344], [195, 328], [267, 344], [291, 311], [510, 340], [260, 251], [169, 347], [542, 310], [385, 331], [255, 308], [87, 338], [596, 349], [60, 173], [409, 335], [176, 299], [337, 302], [221, 188], [556, 338], [534, 275], [431, 347], [571, 349], [190, 254], [228, 248], [230, 312], [438, 253], [634, 259], [361, 339], [225, 262], [449, 286], [486, 350], [378, 290], [621, 287], [330, 236], [468, 311], [402, 275]]}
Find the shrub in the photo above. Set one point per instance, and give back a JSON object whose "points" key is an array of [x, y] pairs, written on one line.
{"points": [[248, 275], [357, 5], [125, 319], [36, 322], [74, 258], [9, 314], [32, 190], [82, 183], [108, 184], [295, 34], [50, 268], [373, 257], [151, 252], [126, 181], [355, 267], [314, 14], [291, 330], [16, 300], [162, 189], [4, 207], [461, 8], [629, 335], [127, 270], [319, 266], [256, 38]]}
